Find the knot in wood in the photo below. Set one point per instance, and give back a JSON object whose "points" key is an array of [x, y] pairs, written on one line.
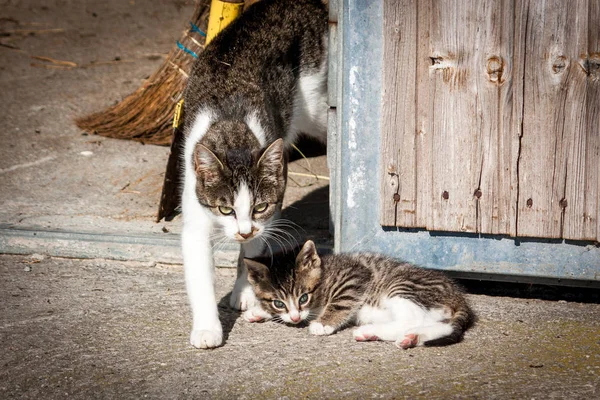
{"points": [[445, 195], [591, 65], [563, 203], [559, 64], [477, 193], [396, 197], [495, 69]]}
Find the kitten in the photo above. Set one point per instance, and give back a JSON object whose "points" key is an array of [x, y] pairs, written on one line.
{"points": [[389, 300], [257, 85]]}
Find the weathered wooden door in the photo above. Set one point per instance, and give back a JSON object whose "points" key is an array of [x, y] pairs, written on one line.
{"points": [[491, 117]]}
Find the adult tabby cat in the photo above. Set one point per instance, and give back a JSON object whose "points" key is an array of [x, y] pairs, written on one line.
{"points": [[388, 299], [256, 86]]}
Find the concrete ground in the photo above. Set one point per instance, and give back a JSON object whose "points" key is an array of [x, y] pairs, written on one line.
{"points": [[107, 329], [100, 310]]}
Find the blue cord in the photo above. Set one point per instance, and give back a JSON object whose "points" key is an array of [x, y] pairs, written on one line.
{"points": [[194, 28], [190, 52]]}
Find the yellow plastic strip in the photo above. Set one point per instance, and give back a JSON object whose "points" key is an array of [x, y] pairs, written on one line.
{"points": [[177, 114], [221, 14]]}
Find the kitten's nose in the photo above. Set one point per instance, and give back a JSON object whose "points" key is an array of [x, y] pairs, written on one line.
{"points": [[295, 318]]}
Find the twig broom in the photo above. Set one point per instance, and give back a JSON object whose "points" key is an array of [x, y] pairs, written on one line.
{"points": [[146, 114]]}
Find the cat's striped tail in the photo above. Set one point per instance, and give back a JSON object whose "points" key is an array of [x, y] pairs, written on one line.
{"points": [[460, 321]]}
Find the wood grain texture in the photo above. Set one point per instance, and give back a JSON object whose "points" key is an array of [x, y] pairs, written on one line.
{"points": [[582, 192], [443, 164], [399, 187], [469, 49], [491, 117], [553, 165]]}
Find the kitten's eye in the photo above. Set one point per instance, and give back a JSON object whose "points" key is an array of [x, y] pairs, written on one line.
{"points": [[226, 210], [262, 207], [303, 299], [279, 304]]}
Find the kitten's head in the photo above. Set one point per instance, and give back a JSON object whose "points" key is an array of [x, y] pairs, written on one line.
{"points": [[287, 289], [241, 188]]}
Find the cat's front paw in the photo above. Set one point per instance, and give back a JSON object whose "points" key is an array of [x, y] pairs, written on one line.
{"points": [[317, 328], [205, 339], [242, 296], [256, 314]]}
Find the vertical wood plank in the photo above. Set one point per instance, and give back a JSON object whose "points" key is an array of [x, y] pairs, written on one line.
{"points": [[556, 34], [582, 192], [399, 184], [454, 138], [424, 139], [470, 104], [497, 160], [593, 72]]}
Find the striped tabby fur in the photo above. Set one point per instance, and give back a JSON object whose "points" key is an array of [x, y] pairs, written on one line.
{"points": [[387, 299]]}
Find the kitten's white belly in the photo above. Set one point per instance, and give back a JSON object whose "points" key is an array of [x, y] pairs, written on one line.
{"points": [[400, 310]]}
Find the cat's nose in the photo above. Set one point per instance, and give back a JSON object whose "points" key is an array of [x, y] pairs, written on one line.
{"points": [[295, 318], [246, 235]]}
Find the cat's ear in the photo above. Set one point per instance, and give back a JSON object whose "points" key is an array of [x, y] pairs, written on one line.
{"points": [[207, 165], [271, 160], [308, 257], [257, 272]]}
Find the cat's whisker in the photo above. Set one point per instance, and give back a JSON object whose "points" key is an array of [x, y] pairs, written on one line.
{"points": [[268, 246], [288, 223], [220, 243], [271, 235], [282, 238], [287, 236]]}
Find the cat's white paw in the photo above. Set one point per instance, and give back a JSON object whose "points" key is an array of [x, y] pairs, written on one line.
{"points": [[256, 314], [205, 339], [317, 328], [364, 333], [242, 296]]}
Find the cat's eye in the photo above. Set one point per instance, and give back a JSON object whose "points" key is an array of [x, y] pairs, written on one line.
{"points": [[262, 207], [226, 210], [278, 304], [303, 299]]}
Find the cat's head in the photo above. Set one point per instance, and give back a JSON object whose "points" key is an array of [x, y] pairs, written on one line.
{"points": [[241, 188], [287, 289]]}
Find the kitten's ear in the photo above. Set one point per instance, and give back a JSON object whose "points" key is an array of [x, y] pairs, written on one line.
{"points": [[206, 164], [257, 272], [272, 158], [308, 257]]}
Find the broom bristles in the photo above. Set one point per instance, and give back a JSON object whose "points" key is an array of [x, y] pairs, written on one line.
{"points": [[146, 114]]}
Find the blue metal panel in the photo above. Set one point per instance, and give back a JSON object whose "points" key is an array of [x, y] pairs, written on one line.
{"points": [[357, 187]]}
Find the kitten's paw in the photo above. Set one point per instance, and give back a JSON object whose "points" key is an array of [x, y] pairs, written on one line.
{"points": [[364, 334], [317, 328], [242, 296], [409, 340], [205, 339], [256, 314]]}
